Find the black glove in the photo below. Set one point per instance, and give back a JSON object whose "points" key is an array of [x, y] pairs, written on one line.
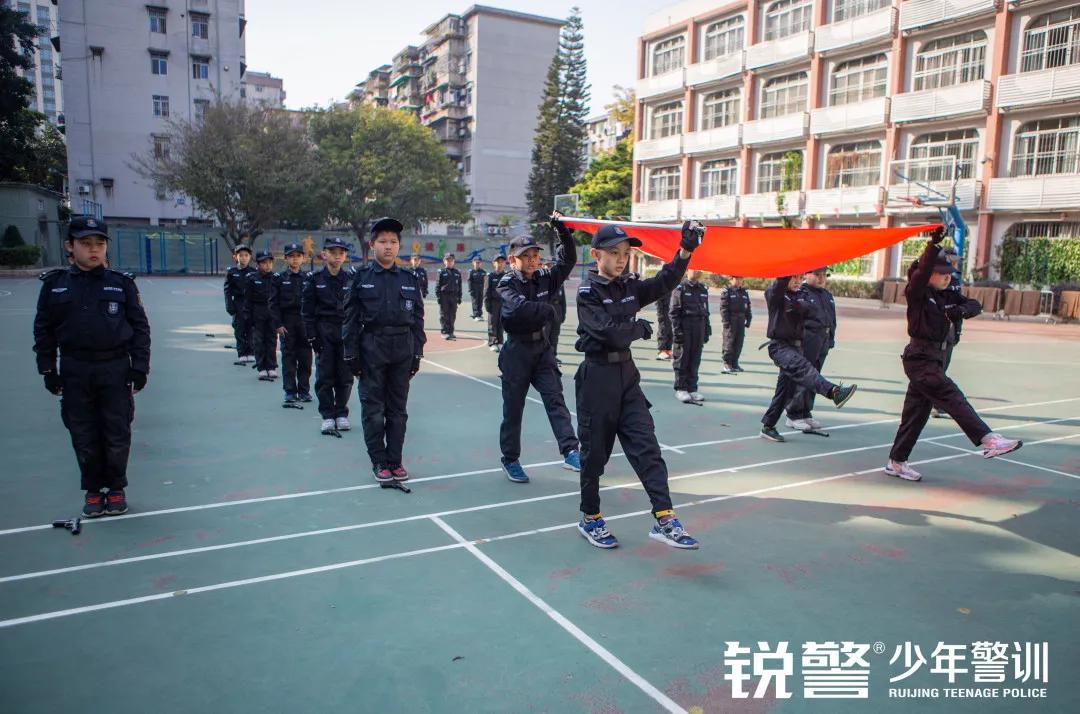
{"points": [[136, 379], [708, 334], [353, 363], [415, 365], [53, 382], [692, 233], [646, 328], [955, 313], [748, 323], [937, 235], [677, 338], [316, 344], [560, 228], [231, 311]]}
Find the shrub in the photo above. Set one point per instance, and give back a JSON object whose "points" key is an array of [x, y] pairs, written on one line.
{"points": [[12, 237], [20, 256], [1040, 261]]}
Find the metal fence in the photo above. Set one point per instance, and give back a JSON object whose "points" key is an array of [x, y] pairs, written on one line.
{"points": [[164, 252]]}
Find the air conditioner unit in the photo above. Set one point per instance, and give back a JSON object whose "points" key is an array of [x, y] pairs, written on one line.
{"points": [[183, 221], [84, 190], [461, 166]]}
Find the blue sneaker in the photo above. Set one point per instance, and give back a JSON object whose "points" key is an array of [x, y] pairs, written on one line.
{"points": [[572, 462], [595, 531], [515, 473], [671, 532]]}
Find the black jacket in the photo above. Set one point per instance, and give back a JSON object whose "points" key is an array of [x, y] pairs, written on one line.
{"points": [[235, 284], [689, 301], [735, 306], [323, 298], [787, 311], [421, 276], [448, 284], [822, 312], [90, 311], [607, 309], [383, 298], [257, 289], [491, 291], [476, 281], [286, 292], [927, 317], [528, 305]]}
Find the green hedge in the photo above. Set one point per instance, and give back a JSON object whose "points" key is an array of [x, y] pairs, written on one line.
{"points": [[854, 288], [20, 257], [1040, 261]]}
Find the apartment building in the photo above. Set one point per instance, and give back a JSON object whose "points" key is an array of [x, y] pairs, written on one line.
{"points": [[602, 133], [262, 89], [47, 96], [837, 91]]}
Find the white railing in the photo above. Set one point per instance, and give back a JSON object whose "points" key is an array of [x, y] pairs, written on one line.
{"points": [[667, 83], [860, 201], [700, 142], [658, 148], [1034, 193], [855, 31], [966, 98], [763, 205], [968, 193], [920, 13], [786, 49], [847, 117], [764, 131], [655, 211], [716, 69], [1060, 84], [713, 208]]}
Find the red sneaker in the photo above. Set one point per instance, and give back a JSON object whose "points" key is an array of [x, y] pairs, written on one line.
{"points": [[399, 473], [115, 503]]}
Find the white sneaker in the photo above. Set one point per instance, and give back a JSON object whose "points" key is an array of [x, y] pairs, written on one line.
{"points": [[327, 426], [272, 373], [697, 396], [815, 423], [494, 348], [995, 444], [248, 359], [683, 396], [663, 356], [799, 424], [902, 470], [263, 374], [343, 424]]}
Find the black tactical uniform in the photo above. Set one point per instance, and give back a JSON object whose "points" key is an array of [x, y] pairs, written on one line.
{"points": [[664, 338], [448, 293], [493, 305], [421, 277], [384, 342], [819, 336], [96, 321], [235, 283], [929, 315], [322, 307], [555, 326], [476, 291], [527, 358], [691, 329], [735, 315], [285, 296], [257, 288]]}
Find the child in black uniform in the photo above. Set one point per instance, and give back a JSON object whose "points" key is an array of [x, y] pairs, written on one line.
{"points": [[258, 286], [493, 304], [691, 329]]}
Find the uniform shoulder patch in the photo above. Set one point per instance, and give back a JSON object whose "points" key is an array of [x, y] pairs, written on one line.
{"points": [[130, 276], [51, 273], [584, 289]]}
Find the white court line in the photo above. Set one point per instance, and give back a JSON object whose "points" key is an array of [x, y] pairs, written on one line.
{"points": [[595, 647], [352, 563], [1021, 463], [477, 472], [466, 509]]}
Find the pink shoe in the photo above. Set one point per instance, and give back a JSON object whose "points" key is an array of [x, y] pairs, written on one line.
{"points": [[997, 445], [902, 470]]}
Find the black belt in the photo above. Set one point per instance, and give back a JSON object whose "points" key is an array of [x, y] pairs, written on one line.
{"points": [[932, 344], [95, 355], [528, 336], [789, 343], [395, 330], [609, 357]]}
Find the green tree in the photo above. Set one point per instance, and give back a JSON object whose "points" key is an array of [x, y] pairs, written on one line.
{"points": [[790, 180], [624, 107], [605, 188], [378, 162], [20, 143], [248, 167]]}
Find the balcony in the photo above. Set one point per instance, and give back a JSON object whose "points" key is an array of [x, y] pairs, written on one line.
{"points": [[849, 117], [968, 193], [1060, 84], [702, 142], [658, 148], [787, 49], [715, 69], [943, 102], [783, 128], [653, 211], [856, 31], [1034, 193], [661, 84], [714, 208], [858, 201], [763, 205], [920, 13]]}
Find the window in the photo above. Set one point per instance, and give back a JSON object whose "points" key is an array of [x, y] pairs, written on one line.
{"points": [[664, 183], [161, 148], [668, 55], [159, 63], [201, 105], [951, 60], [1044, 229], [961, 143], [723, 38], [161, 105], [200, 67], [858, 80], [853, 165], [719, 178], [1052, 40], [784, 95], [667, 120], [200, 26], [1047, 146], [787, 17], [847, 9], [157, 20], [159, 190], [771, 172], [720, 109]]}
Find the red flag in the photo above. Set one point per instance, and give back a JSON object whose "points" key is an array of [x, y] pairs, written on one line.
{"points": [[761, 252]]}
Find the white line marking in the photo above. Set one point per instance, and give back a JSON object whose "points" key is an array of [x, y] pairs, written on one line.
{"points": [[1021, 463], [576, 632]]}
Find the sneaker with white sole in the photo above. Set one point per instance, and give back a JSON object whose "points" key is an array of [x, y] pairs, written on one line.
{"points": [[263, 374], [671, 532], [343, 423], [995, 444], [248, 359], [902, 470], [727, 369], [515, 473], [697, 396], [663, 356], [493, 348], [799, 424], [770, 433], [327, 426], [595, 531], [572, 461], [272, 373], [683, 396], [814, 423]]}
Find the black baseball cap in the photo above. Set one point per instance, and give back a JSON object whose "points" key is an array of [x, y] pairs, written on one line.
{"points": [[500, 256], [335, 242], [822, 271], [293, 248], [84, 226], [263, 255], [521, 244], [610, 236], [943, 265], [449, 255], [241, 247], [392, 225]]}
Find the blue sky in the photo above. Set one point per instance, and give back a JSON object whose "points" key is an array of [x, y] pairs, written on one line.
{"points": [[322, 48]]}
